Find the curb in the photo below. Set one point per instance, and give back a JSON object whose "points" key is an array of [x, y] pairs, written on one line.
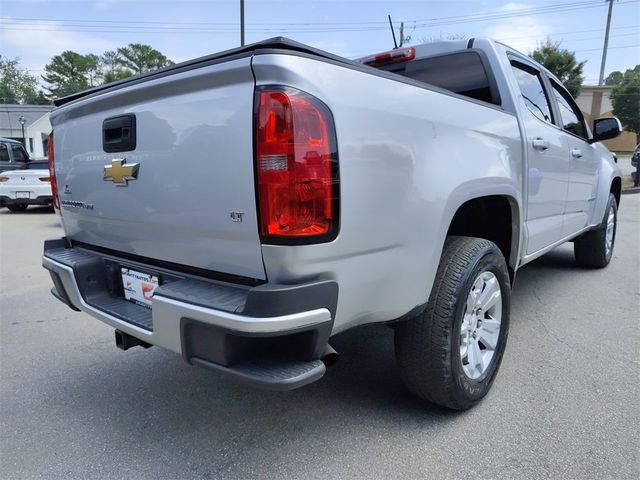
{"points": [[630, 190]]}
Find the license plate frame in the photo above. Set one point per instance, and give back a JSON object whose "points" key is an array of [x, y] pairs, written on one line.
{"points": [[138, 287], [23, 195]]}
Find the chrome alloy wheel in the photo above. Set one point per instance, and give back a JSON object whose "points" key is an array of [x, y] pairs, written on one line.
{"points": [[480, 327], [611, 224]]}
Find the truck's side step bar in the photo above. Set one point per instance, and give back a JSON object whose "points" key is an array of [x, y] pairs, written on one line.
{"points": [[276, 374]]}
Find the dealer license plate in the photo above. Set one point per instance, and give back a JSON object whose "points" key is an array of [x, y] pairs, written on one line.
{"points": [[22, 194], [139, 286]]}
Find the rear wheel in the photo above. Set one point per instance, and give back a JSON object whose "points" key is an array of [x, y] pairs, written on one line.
{"points": [[594, 249], [450, 354], [18, 207]]}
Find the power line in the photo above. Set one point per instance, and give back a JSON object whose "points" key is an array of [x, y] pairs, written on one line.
{"points": [[610, 48], [522, 11], [124, 26]]}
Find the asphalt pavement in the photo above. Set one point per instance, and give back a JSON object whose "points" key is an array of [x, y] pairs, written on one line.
{"points": [[566, 403]]}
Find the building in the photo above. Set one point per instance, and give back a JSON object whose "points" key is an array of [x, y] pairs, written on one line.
{"points": [[38, 137], [595, 102], [36, 126]]}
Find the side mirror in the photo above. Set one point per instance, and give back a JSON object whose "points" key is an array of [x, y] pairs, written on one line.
{"points": [[606, 128]]}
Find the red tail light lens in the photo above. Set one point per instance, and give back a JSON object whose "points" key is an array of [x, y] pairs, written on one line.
{"points": [[44, 179], [52, 174], [4, 179], [296, 166]]}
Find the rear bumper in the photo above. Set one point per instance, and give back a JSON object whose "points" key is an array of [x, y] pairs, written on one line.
{"points": [[41, 200], [248, 333]]}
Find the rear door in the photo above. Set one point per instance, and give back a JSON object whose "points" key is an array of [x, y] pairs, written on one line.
{"points": [[547, 160], [163, 169], [584, 162]]}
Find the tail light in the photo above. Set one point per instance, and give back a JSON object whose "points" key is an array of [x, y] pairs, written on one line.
{"points": [[296, 168], [398, 55], [52, 174], [44, 179], [4, 179]]}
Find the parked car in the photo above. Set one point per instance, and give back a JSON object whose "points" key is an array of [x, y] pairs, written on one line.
{"points": [[21, 188], [635, 162], [243, 208], [13, 156]]}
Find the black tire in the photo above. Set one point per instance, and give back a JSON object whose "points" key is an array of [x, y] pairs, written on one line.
{"points": [[590, 248], [18, 207], [428, 346]]}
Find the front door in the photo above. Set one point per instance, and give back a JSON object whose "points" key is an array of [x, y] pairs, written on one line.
{"points": [[583, 173]]}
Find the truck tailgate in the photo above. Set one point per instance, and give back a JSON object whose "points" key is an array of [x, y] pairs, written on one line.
{"points": [[193, 201]]}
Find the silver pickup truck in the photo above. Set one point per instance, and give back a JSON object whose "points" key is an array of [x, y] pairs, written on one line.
{"points": [[240, 209]]}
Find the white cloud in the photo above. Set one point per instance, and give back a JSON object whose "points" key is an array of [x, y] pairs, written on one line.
{"points": [[522, 33], [43, 40]]}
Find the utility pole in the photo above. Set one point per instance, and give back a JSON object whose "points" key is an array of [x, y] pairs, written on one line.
{"points": [[401, 33], [606, 44], [242, 23]]}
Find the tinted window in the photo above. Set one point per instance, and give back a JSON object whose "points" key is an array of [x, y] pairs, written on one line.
{"points": [[19, 155], [461, 73], [4, 153], [570, 114], [532, 92]]}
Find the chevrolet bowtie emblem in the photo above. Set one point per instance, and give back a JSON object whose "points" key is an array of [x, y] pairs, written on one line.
{"points": [[119, 173]]}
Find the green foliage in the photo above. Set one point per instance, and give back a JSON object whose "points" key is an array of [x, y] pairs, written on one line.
{"points": [[625, 98], [17, 85], [133, 59], [562, 63], [138, 58], [71, 72], [614, 78]]}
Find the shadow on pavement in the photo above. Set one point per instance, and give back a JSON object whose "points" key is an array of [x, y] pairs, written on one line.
{"points": [[147, 395], [31, 210]]}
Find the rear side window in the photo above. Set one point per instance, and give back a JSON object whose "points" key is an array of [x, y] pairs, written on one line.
{"points": [[461, 72], [4, 153], [533, 92], [19, 155]]}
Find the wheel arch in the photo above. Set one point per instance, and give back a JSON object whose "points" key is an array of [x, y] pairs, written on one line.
{"points": [[616, 188], [496, 217]]}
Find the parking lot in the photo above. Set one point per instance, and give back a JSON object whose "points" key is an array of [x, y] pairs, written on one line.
{"points": [[566, 403]]}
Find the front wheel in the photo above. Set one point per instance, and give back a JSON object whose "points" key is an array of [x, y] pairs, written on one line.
{"points": [[450, 354], [594, 249]]}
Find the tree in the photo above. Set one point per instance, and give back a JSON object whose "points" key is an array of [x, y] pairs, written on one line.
{"points": [[71, 72], [562, 63], [112, 70], [138, 58], [614, 78], [625, 98], [18, 85]]}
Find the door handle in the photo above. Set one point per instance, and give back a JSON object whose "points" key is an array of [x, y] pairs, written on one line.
{"points": [[119, 133], [540, 144], [576, 153]]}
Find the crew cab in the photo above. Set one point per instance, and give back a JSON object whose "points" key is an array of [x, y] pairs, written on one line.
{"points": [[241, 209]]}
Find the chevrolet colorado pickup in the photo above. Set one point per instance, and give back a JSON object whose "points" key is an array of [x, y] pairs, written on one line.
{"points": [[240, 209]]}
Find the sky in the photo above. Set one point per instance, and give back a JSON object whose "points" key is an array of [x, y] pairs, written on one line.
{"points": [[36, 30]]}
